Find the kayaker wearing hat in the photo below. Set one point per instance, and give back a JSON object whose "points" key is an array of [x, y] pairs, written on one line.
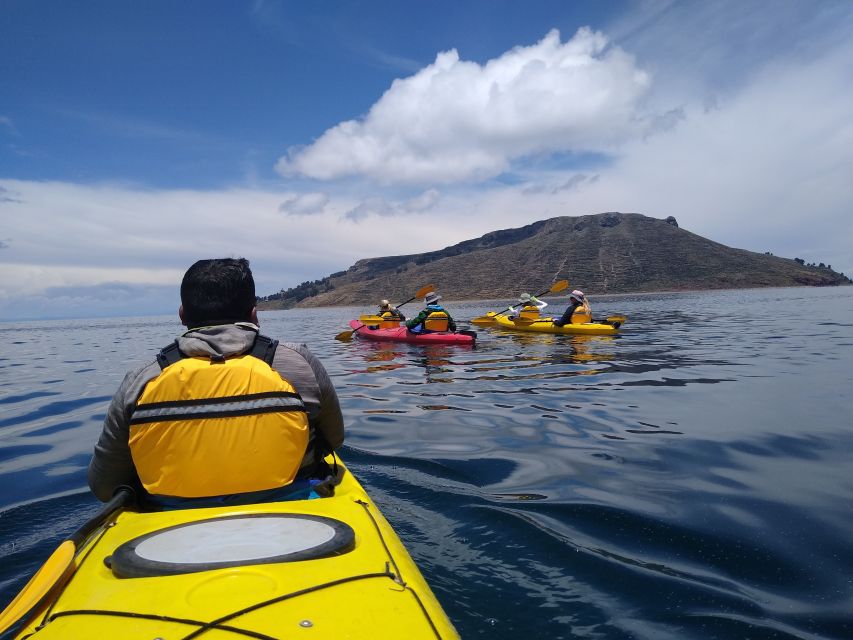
{"points": [[528, 307], [579, 307], [432, 318], [223, 415], [390, 312]]}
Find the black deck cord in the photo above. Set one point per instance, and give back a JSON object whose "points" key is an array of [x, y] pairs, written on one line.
{"points": [[216, 624], [400, 581], [151, 616], [395, 576], [366, 507]]}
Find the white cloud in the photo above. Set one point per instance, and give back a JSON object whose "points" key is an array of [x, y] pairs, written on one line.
{"points": [[378, 206], [457, 120], [304, 204], [70, 248], [6, 123]]}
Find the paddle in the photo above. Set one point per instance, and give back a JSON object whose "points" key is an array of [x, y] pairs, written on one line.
{"points": [[558, 286], [346, 336], [616, 321], [60, 565]]}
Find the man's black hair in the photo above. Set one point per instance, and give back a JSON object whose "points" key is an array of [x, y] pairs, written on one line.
{"points": [[218, 291]]}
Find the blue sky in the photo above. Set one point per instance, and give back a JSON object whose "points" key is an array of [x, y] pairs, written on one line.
{"points": [[138, 137]]}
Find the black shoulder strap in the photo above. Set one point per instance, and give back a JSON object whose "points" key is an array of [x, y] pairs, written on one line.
{"points": [[264, 349], [169, 355]]}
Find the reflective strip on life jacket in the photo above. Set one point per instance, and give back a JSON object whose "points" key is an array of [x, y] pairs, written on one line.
{"points": [[218, 407], [436, 321], [204, 428]]}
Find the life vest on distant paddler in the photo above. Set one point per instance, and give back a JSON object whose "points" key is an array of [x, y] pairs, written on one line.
{"points": [[210, 427], [436, 321], [582, 314], [390, 320], [531, 312]]}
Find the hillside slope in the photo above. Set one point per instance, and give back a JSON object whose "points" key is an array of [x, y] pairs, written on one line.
{"points": [[602, 253]]}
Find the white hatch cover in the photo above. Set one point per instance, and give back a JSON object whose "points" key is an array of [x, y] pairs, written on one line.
{"points": [[231, 541]]}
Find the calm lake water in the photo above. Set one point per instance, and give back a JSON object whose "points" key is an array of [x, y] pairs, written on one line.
{"points": [[689, 478]]}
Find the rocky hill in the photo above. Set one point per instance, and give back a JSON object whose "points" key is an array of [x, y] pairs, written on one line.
{"points": [[603, 253]]}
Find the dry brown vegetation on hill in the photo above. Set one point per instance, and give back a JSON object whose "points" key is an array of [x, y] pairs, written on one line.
{"points": [[602, 253]]}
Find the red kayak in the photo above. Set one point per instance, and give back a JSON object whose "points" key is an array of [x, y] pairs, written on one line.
{"points": [[402, 334]]}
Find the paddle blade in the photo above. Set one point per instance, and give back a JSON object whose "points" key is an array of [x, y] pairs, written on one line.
{"points": [[619, 319], [429, 288], [345, 336], [52, 573], [558, 286]]}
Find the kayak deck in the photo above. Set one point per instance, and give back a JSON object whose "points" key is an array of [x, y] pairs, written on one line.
{"points": [[368, 588], [546, 325], [401, 334]]}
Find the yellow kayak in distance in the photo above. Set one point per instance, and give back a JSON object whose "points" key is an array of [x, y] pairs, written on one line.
{"points": [[546, 325], [327, 567]]}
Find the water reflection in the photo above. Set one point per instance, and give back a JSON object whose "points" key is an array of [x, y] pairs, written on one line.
{"points": [[696, 455]]}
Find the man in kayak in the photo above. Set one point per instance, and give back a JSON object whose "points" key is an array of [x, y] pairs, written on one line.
{"points": [[577, 306], [528, 307], [223, 415], [389, 312], [433, 318]]}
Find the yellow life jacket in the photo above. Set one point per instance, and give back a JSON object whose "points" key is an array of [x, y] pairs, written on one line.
{"points": [[389, 320], [206, 428], [529, 311], [582, 314], [436, 321]]}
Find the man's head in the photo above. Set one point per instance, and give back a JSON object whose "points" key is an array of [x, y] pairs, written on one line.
{"points": [[218, 291], [385, 305], [432, 298], [577, 295]]}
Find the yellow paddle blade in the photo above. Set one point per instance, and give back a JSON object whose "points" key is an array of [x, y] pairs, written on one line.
{"points": [[370, 319], [50, 574], [429, 288], [345, 336], [559, 286]]}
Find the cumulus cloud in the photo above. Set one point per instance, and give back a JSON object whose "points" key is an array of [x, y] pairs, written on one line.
{"points": [[304, 204], [457, 120]]}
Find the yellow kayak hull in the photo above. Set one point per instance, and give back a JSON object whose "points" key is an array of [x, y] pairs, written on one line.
{"points": [[546, 325], [372, 589]]}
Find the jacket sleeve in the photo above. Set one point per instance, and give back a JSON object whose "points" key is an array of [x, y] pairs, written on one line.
{"points": [[330, 421], [112, 465], [298, 364], [451, 323], [418, 319]]}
